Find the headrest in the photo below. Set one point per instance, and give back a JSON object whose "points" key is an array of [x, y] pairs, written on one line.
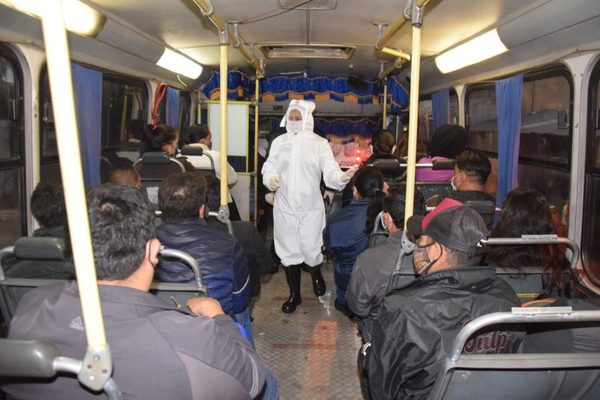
{"points": [[443, 164], [155, 157], [482, 206], [387, 164], [40, 248], [192, 151]]}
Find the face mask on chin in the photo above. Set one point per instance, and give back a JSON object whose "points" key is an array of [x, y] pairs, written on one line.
{"points": [[452, 184], [421, 260], [294, 126]]}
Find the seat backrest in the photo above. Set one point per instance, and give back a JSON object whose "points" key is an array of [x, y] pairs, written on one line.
{"points": [[485, 208], [544, 376], [195, 151], [153, 168], [389, 167], [430, 189]]}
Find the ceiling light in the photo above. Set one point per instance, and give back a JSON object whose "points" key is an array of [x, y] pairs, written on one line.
{"points": [[475, 50], [333, 51], [79, 18], [179, 64]]}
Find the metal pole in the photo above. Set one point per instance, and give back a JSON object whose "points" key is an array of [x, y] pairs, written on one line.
{"points": [[256, 97], [97, 361], [415, 70], [385, 95], [223, 209]]}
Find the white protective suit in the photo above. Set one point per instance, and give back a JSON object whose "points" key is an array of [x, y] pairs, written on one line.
{"points": [[298, 211]]}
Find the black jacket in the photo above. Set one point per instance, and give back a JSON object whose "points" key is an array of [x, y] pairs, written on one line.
{"points": [[258, 256], [418, 324], [221, 259]]}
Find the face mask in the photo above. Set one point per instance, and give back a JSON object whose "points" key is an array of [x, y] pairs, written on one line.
{"points": [[383, 225], [452, 184], [421, 260], [294, 126]]}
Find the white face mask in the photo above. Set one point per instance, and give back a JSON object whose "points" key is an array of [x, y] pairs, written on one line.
{"points": [[452, 184], [294, 126], [383, 225]]}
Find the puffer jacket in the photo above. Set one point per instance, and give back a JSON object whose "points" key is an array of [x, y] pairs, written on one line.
{"points": [[418, 323], [345, 237], [222, 262]]}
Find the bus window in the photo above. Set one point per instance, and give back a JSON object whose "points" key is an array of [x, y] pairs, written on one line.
{"points": [[12, 167], [185, 104], [591, 207], [425, 128], [124, 111], [453, 117], [482, 123]]}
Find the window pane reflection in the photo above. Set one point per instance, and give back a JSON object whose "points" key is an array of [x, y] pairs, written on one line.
{"points": [[11, 206], [9, 120]]}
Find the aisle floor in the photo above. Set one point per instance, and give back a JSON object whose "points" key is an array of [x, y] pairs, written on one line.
{"points": [[312, 351]]}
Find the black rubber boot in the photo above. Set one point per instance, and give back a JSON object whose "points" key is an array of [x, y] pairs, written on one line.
{"points": [[317, 280], [292, 275]]}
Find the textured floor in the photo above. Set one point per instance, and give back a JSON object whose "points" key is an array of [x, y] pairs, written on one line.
{"points": [[312, 351]]}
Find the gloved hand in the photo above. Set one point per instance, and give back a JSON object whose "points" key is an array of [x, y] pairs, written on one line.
{"points": [[349, 173], [270, 198], [274, 183]]}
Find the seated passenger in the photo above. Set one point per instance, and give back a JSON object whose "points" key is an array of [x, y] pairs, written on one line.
{"points": [[471, 171], [158, 350], [383, 144], [347, 232], [447, 142], [163, 138], [48, 208], [181, 199], [526, 212], [372, 272], [258, 256], [125, 175], [418, 323]]}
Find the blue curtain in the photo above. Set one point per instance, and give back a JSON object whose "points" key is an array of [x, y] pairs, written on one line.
{"points": [[398, 95], [440, 104], [173, 108], [87, 85], [508, 108]]}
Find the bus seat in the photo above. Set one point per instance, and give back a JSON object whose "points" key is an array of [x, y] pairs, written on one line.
{"points": [[199, 152], [36, 257], [485, 208], [153, 168], [34, 359], [389, 167], [541, 376], [432, 188]]}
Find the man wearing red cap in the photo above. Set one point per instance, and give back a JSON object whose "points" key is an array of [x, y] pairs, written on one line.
{"points": [[419, 322]]}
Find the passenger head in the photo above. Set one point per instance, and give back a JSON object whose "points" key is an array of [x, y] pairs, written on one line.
{"points": [[448, 141], [526, 212], [298, 117], [383, 142], [122, 223], [393, 209], [125, 175], [213, 193], [471, 170], [182, 196], [368, 184], [402, 148], [48, 205], [200, 134], [161, 138], [449, 236]]}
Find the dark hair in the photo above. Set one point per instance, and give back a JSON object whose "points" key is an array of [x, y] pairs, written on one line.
{"points": [[402, 148], [197, 133], [180, 196], [121, 221], [124, 175], [526, 212], [48, 205], [462, 259], [369, 184], [155, 137], [448, 141], [395, 202], [475, 165], [383, 142], [213, 193]]}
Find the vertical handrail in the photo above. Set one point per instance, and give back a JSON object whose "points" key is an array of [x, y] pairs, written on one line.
{"points": [[415, 70], [385, 94], [256, 125], [97, 361], [223, 209]]}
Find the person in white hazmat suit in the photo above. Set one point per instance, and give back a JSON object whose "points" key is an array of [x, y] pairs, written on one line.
{"points": [[293, 170]]}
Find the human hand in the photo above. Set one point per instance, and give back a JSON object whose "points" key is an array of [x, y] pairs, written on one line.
{"points": [[205, 306], [274, 183], [349, 173], [270, 198]]}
